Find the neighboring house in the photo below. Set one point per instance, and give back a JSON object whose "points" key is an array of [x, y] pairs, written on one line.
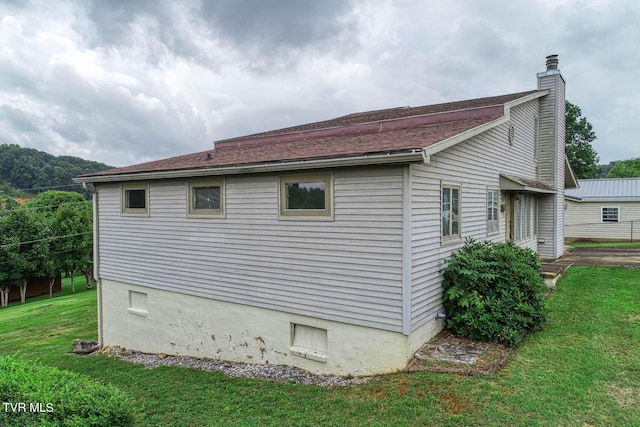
{"points": [[321, 246], [603, 210]]}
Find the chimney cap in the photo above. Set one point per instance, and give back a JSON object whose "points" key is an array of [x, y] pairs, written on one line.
{"points": [[552, 62]]}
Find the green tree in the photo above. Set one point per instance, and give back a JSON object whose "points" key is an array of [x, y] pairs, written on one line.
{"points": [[629, 168], [23, 250], [74, 227], [69, 217], [605, 169], [579, 136]]}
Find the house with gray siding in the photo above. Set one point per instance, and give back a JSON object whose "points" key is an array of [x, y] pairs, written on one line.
{"points": [[321, 246], [601, 210]]}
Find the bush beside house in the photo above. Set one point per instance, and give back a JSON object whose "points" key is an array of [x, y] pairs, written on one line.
{"points": [[494, 292]]}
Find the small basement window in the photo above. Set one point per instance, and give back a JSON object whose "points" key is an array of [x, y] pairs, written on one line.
{"points": [[206, 197], [610, 214], [306, 195], [309, 342], [135, 199], [138, 303]]}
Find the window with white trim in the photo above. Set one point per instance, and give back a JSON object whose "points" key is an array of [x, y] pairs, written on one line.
{"points": [[610, 214], [523, 203], [450, 212], [206, 197], [306, 195], [138, 303], [493, 201], [135, 199]]}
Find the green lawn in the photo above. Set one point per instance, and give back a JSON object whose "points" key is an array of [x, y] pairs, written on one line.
{"points": [[583, 369], [602, 244]]}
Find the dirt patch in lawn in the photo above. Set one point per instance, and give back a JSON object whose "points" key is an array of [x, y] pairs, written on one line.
{"points": [[450, 353]]}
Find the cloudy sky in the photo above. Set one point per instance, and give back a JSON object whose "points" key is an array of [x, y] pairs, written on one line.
{"points": [[128, 81]]}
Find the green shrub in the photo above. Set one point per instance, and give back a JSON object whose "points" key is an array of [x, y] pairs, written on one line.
{"points": [[52, 397], [494, 292]]}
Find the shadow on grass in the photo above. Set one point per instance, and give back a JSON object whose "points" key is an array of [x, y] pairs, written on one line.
{"points": [[80, 287]]}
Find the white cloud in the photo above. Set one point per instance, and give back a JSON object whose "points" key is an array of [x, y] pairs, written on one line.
{"points": [[127, 82]]}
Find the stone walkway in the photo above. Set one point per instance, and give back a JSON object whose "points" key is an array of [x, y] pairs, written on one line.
{"points": [[619, 256]]}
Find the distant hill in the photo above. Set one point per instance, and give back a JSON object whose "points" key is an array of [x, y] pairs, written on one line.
{"points": [[26, 171], [605, 169]]}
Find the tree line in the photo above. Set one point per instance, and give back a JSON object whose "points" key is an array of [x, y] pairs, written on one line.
{"points": [[579, 135], [27, 170], [48, 236]]}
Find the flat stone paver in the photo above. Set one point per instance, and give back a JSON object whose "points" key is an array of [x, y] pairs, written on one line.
{"points": [[451, 350]]}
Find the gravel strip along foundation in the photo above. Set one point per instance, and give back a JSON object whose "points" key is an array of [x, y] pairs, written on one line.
{"points": [[280, 373]]}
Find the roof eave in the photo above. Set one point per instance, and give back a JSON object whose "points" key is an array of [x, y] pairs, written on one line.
{"points": [[360, 160], [604, 199], [570, 180], [514, 183]]}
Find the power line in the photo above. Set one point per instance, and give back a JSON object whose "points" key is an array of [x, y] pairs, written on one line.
{"points": [[48, 254], [47, 188], [53, 206], [45, 239]]}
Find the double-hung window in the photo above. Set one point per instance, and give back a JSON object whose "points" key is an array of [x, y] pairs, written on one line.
{"points": [[610, 214], [135, 199], [492, 211], [306, 195], [450, 212], [206, 197]]}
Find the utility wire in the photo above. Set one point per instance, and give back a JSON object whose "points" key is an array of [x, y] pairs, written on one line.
{"points": [[52, 206], [47, 188], [48, 254], [45, 239]]}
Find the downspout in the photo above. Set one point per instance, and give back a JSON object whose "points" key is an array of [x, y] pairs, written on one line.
{"points": [[96, 258]]}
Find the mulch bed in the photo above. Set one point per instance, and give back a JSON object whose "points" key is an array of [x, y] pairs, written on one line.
{"points": [[493, 358]]}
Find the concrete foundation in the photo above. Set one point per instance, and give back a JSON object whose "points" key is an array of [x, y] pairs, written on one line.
{"points": [[157, 321]]}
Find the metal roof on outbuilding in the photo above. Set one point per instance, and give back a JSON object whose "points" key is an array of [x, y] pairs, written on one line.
{"points": [[606, 190]]}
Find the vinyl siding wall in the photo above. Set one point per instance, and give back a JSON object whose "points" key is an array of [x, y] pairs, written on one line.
{"points": [[584, 221], [475, 165], [551, 164], [348, 269]]}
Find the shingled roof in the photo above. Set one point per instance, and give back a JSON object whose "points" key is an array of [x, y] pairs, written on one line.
{"points": [[380, 132]]}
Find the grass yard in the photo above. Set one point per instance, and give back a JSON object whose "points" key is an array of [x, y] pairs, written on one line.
{"points": [[583, 369], [603, 244]]}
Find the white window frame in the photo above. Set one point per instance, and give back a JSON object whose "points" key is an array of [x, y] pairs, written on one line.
{"points": [[126, 188], [202, 183], [450, 236], [493, 211], [609, 221], [138, 304], [309, 214]]}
